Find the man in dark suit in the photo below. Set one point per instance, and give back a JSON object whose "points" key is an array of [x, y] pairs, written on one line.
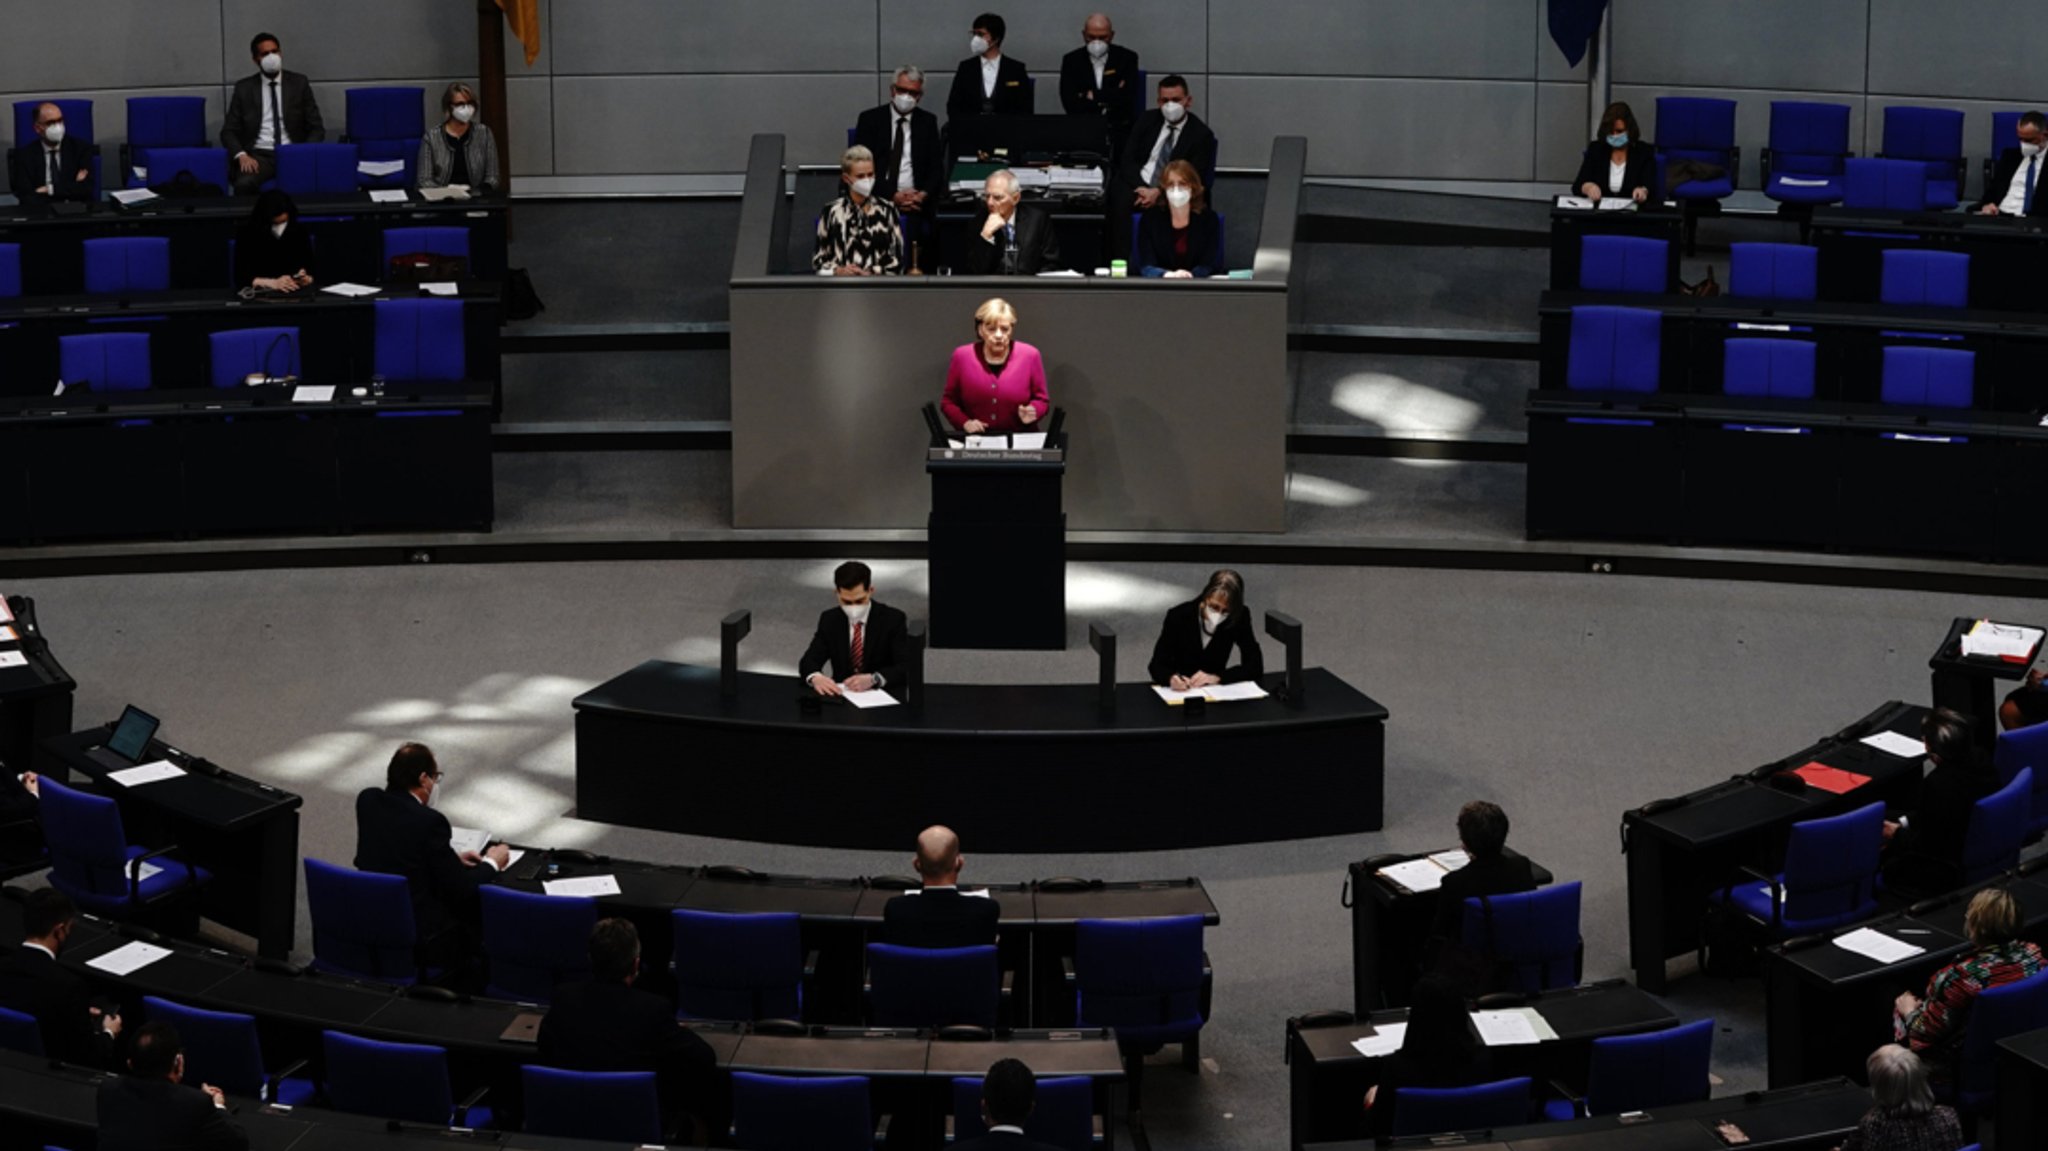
{"points": [[53, 166], [1167, 133], [2015, 188], [267, 111], [1483, 832], [1100, 78], [152, 1110], [862, 639], [34, 983], [1014, 240], [399, 833], [910, 164], [607, 1024], [1008, 1092], [1923, 849], [989, 83], [940, 915]]}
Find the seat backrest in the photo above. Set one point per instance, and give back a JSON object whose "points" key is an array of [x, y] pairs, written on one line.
{"points": [[1640, 1072], [621, 1106], [2005, 128], [118, 264], [1887, 185], [22, 1033], [88, 846], [244, 352], [77, 120], [10, 271], [535, 943], [393, 113], [784, 1113], [2025, 747], [317, 169], [433, 241], [1808, 137], [1998, 827], [742, 967], [1062, 1113], [420, 340], [1774, 271], [1695, 124], [1430, 1110], [1831, 867], [1623, 264], [221, 1047], [110, 361], [1775, 369], [1532, 938], [166, 121], [362, 923], [1929, 377], [2008, 1009], [1916, 276], [1139, 973], [1614, 349], [933, 987], [403, 1081], [162, 166], [1916, 133]]}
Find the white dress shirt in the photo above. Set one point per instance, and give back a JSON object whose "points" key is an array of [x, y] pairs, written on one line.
{"points": [[989, 69], [272, 134], [1162, 151], [1098, 64], [2015, 200], [1617, 175]]}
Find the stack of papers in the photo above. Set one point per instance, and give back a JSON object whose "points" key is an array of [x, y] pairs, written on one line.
{"points": [[2001, 640], [1214, 693], [388, 196], [587, 885], [146, 773], [866, 699], [1514, 1027], [1031, 441], [129, 959], [1032, 177], [1427, 873], [1074, 179], [134, 196], [1877, 945], [451, 192], [462, 839], [440, 288], [348, 289], [1604, 203], [1892, 743], [1385, 1040]]}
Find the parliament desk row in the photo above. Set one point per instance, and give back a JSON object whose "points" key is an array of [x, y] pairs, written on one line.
{"points": [[1812, 1117], [2021, 1071], [840, 916], [1389, 926], [1327, 1077], [188, 462], [1011, 767], [35, 696], [2006, 253], [339, 336], [1827, 1008], [1875, 478], [1849, 338], [347, 236], [1569, 228], [1681, 848]]}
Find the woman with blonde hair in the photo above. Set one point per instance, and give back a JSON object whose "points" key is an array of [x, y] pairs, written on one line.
{"points": [[997, 383]]}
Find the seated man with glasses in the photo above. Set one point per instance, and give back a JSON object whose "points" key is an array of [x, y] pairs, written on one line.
{"points": [[910, 164], [398, 832]]}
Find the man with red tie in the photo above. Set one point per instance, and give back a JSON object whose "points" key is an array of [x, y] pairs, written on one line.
{"points": [[861, 639]]}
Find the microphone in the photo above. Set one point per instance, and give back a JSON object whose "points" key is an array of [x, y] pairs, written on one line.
{"points": [[254, 379]]}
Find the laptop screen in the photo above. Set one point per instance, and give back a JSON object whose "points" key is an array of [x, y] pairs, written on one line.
{"points": [[132, 735]]}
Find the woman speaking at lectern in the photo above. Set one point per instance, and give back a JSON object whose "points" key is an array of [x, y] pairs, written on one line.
{"points": [[996, 384]]}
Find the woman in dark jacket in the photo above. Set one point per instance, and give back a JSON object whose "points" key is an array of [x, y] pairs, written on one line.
{"points": [[1438, 1050], [1196, 640], [1178, 237], [1620, 163], [273, 250]]}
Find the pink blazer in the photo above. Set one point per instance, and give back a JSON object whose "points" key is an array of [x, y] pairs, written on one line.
{"points": [[973, 393]]}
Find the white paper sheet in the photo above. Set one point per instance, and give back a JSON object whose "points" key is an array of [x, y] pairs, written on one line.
{"points": [[313, 394], [134, 196], [1450, 860], [440, 288], [1877, 945], [462, 839], [451, 192], [1226, 692], [146, 773], [1892, 743], [512, 857], [6, 613], [1615, 203], [976, 892], [1512, 1028], [12, 658], [380, 167], [1797, 182], [591, 885], [2000, 639], [987, 443], [1385, 1040], [1175, 697], [128, 960], [1579, 202], [348, 289], [1028, 441], [1062, 274], [1417, 875], [388, 196], [146, 872], [865, 699]]}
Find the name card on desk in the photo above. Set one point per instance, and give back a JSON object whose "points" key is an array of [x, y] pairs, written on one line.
{"points": [[147, 773]]}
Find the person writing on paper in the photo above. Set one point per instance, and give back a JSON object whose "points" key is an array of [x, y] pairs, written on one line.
{"points": [[1923, 846], [398, 832], [2017, 181], [151, 1108], [460, 151], [1197, 639], [1178, 237], [862, 639], [272, 250], [1933, 1027], [1438, 1050], [939, 914], [54, 166], [267, 111], [1014, 240], [33, 983], [1903, 1115], [1620, 163], [995, 385], [859, 233]]}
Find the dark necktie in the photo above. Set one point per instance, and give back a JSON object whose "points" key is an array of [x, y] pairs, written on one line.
{"points": [[896, 150], [276, 120], [50, 169], [858, 629], [2027, 197]]}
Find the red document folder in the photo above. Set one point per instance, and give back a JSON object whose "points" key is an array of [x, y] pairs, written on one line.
{"points": [[1831, 779]]}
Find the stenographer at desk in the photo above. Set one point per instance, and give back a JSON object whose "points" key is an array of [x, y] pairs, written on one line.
{"points": [[1196, 641], [1013, 241], [861, 639]]}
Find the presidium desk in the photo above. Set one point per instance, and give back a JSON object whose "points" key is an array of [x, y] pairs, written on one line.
{"points": [[1175, 390], [1012, 768]]}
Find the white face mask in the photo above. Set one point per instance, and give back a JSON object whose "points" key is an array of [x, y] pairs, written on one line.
{"points": [[1173, 110], [1212, 619], [864, 187], [2025, 149], [855, 612], [465, 112], [1097, 49], [53, 133], [977, 46], [1179, 196], [903, 103], [272, 64], [277, 230]]}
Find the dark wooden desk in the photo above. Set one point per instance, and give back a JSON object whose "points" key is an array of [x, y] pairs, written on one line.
{"points": [[1052, 772], [1389, 925], [2022, 1075], [1967, 683], [2005, 252], [1569, 228]]}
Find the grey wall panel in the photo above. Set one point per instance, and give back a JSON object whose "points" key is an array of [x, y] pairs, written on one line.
{"points": [[530, 119], [641, 124], [367, 39], [641, 37], [1560, 130], [938, 85], [1550, 63], [110, 113], [110, 44], [1401, 137], [932, 34], [1963, 48], [1815, 45], [1752, 118], [1484, 39]]}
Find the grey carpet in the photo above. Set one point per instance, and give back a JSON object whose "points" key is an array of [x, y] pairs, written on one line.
{"points": [[601, 386], [1491, 289], [630, 493], [1427, 396]]}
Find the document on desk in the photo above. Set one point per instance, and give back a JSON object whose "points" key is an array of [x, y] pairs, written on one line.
{"points": [[1576, 202], [588, 885], [146, 773], [2001, 640], [12, 658], [1176, 698], [129, 959], [440, 288], [986, 443], [1226, 692], [1417, 875], [1384, 1040], [9, 634], [388, 196], [347, 289], [1061, 274], [461, 839], [130, 197], [313, 394], [1451, 860], [867, 699], [1892, 743], [1514, 1027], [1877, 945], [1615, 204]]}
